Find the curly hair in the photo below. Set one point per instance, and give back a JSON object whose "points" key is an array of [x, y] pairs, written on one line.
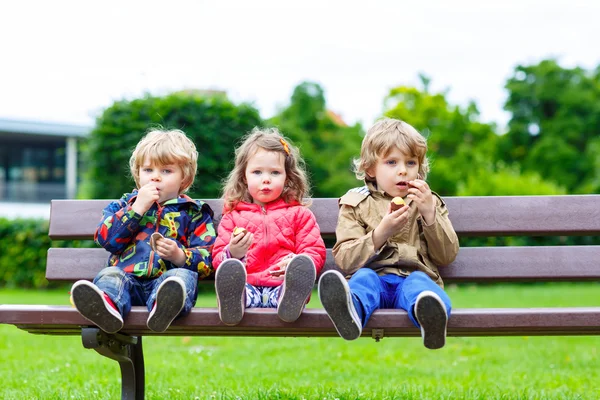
{"points": [[165, 147], [382, 137], [235, 188]]}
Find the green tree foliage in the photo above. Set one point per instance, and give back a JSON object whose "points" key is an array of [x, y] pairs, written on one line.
{"points": [[555, 124], [326, 143], [214, 124], [458, 144]]}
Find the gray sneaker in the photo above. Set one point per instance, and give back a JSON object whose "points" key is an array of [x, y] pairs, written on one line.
{"points": [[299, 280], [92, 304], [230, 283], [170, 299], [336, 298], [431, 314]]}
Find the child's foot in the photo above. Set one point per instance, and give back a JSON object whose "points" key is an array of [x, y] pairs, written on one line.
{"points": [[230, 282], [170, 299], [94, 305], [299, 280], [335, 296], [431, 314]]}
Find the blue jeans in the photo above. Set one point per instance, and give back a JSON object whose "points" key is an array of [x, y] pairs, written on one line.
{"points": [[371, 292], [125, 290]]}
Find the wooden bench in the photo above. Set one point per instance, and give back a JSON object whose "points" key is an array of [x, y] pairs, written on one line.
{"points": [[471, 216]]}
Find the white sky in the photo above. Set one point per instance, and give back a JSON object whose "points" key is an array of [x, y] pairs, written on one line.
{"points": [[68, 60]]}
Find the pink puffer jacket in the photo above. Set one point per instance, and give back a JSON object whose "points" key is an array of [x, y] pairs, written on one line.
{"points": [[279, 229]]}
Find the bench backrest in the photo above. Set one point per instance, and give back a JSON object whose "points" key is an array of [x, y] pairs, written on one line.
{"points": [[471, 216]]}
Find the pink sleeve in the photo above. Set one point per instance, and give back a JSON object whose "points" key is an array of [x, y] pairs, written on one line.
{"points": [[308, 238]]}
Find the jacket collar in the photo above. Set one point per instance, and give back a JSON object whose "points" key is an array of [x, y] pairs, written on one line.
{"points": [[274, 205]]}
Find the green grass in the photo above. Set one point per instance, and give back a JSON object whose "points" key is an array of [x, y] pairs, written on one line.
{"points": [[52, 367]]}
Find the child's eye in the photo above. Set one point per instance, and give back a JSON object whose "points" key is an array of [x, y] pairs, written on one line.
{"points": [[256, 172], [391, 162], [412, 163], [147, 170], [276, 173], [166, 171]]}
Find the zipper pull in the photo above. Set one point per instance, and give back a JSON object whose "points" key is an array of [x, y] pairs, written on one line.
{"points": [[263, 209]]}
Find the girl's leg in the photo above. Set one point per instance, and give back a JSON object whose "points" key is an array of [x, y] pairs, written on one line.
{"points": [[298, 283], [230, 284]]}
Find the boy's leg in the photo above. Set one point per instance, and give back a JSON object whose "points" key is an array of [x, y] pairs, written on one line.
{"points": [[104, 301], [350, 304], [174, 294], [299, 280], [428, 307], [230, 282]]}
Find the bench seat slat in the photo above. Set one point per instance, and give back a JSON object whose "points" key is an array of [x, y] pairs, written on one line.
{"points": [[471, 216], [473, 264], [314, 322]]}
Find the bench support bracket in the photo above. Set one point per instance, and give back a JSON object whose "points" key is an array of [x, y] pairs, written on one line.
{"points": [[127, 351]]}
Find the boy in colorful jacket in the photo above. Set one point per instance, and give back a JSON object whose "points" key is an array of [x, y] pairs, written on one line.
{"points": [[392, 251], [160, 240]]}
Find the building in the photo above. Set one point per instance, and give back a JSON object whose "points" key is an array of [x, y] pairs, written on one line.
{"points": [[38, 162]]}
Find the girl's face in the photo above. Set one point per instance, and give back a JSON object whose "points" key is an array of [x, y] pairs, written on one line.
{"points": [[167, 179], [265, 176]]}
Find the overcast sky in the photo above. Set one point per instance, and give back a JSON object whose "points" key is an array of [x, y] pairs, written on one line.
{"points": [[66, 61]]}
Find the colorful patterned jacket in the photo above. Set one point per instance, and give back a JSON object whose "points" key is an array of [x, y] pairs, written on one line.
{"points": [[126, 235]]}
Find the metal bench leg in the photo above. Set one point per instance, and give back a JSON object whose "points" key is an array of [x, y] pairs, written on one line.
{"points": [[127, 351]]}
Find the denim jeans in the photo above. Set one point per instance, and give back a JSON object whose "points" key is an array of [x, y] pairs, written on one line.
{"points": [[126, 290], [371, 292]]}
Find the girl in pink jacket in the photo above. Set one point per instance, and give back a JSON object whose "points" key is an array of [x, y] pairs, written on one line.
{"points": [[269, 248]]}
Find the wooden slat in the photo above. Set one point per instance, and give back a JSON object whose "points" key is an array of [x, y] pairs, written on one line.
{"points": [[473, 264], [314, 322], [471, 216]]}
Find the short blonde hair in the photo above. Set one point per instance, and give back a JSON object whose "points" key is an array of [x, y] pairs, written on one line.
{"points": [[165, 147], [235, 188], [382, 137]]}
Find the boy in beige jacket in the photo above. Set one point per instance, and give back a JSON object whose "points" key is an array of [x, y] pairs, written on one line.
{"points": [[392, 254]]}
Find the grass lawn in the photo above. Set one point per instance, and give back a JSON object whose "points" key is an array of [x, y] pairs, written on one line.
{"points": [[52, 367]]}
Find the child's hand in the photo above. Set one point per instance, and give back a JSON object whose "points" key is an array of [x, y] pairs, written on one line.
{"points": [[279, 269], [168, 250], [391, 223], [421, 194], [147, 195], [239, 244]]}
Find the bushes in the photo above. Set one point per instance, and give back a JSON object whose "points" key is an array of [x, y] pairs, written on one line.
{"points": [[213, 123], [23, 249]]}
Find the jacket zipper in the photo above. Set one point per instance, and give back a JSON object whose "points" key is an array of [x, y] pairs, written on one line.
{"points": [[266, 238], [151, 260]]}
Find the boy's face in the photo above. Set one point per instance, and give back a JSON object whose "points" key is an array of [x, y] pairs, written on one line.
{"points": [[394, 171], [265, 176], [167, 179]]}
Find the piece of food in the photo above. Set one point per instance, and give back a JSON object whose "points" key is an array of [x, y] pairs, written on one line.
{"points": [[397, 203], [154, 238], [239, 231]]}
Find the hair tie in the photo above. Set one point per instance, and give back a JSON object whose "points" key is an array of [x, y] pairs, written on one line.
{"points": [[285, 146]]}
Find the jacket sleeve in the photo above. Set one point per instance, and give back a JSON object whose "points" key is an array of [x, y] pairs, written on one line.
{"points": [[354, 247], [226, 227], [308, 238], [201, 241], [118, 227], [442, 241]]}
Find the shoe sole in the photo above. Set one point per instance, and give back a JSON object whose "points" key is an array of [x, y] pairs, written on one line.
{"points": [[336, 302], [300, 276], [166, 309], [230, 282], [433, 319], [91, 305]]}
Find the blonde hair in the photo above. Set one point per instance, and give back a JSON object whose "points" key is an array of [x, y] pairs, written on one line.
{"points": [[235, 188], [165, 147], [382, 137]]}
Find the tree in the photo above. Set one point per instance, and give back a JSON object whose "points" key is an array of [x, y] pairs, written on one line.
{"points": [[214, 124], [555, 124], [326, 143]]}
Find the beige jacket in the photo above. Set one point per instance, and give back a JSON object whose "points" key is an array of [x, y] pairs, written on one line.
{"points": [[417, 247]]}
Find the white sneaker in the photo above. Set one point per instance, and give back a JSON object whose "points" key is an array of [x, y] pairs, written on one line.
{"points": [[432, 316], [299, 280], [91, 303], [170, 300], [230, 283], [336, 298]]}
